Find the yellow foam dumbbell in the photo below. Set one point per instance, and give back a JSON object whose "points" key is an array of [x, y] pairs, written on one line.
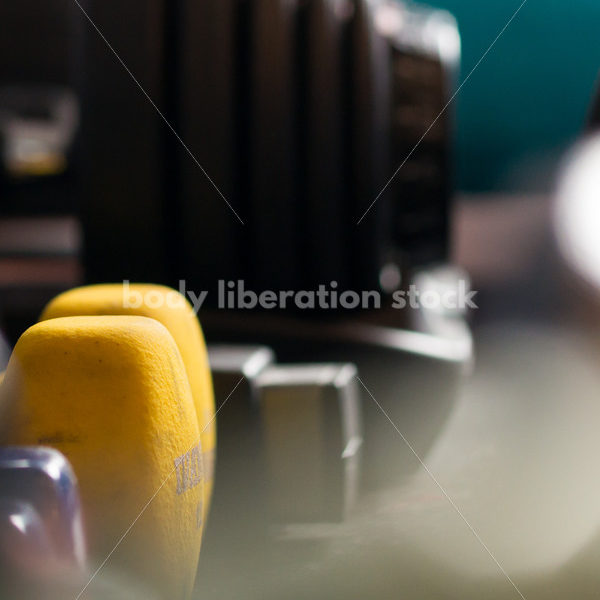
{"points": [[111, 393], [171, 308]]}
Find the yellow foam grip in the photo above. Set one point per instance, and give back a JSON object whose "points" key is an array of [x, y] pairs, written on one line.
{"points": [[112, 394], [170, 308]]}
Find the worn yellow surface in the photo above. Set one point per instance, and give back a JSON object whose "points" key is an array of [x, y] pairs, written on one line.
{"points": [[111, 393], [173, 310]]}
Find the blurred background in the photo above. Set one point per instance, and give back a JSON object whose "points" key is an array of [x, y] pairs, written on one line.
{"points": [[531, 100], [518, 449], [516, 117]]}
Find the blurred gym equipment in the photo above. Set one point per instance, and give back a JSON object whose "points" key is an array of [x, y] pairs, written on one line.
{"points": [[348, 447], [312, 438], [43, 478], [174, 311], [25, 552], [112, 394], [282, 481], [415, 373], [301, 429], [298, 114], [42, 543], [38, 127]]}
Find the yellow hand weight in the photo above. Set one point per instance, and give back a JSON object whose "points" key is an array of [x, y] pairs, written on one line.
{"points": [[170, 308], [111, 393]]}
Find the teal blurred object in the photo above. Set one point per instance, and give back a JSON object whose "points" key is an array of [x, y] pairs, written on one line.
{"points": [[530, 97]]}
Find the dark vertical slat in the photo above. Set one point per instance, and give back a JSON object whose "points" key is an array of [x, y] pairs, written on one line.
{"points": [[326, 186], [422, 133], [208, 105], [275, 231], [371, 161], [123, 168]]}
